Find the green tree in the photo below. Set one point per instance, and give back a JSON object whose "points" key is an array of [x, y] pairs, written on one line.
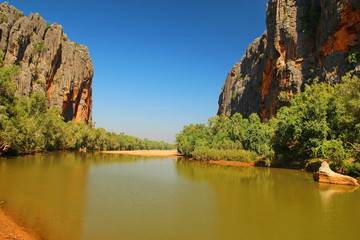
{"points": [[305, 125], [192, 136]]}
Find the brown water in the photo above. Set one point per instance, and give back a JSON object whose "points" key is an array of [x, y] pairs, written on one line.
{"points": [[71, 196]]}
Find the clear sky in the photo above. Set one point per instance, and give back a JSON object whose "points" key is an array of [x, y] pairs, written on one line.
{"points": [[159, 64]]}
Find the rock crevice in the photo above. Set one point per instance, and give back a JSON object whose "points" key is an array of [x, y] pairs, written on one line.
{"points": [[49, 62], [305, 39]]}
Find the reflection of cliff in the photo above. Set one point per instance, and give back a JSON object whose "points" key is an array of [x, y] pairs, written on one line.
{"points": [[47, 193]]}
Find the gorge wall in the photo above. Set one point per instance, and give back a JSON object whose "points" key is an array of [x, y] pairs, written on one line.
{"points": [[305, 39], [49, 62]]}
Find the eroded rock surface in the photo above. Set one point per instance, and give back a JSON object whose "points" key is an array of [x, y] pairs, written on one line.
{"points": [[326, 175], [49, 62], [305, 39]]}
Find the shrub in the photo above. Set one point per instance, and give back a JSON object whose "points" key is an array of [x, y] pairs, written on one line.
{"points": [[17, 16], [332, 150], [234, 94], [3, 18], [205, 153], [352, 169], [40, 47]]}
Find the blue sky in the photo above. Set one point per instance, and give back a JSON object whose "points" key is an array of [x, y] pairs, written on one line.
{"points": [[159, 65]]}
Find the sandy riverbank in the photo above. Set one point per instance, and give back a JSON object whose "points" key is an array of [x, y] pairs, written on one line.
{"points": [[156, 153], [11, 229]]}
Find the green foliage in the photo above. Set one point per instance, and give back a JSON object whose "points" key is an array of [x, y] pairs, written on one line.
{"points": [[7, 86], [352, 169], [260, 58], [27, 125], [354, 56], [205, 153], [238, 77], [258, 137], [39, 81], [333, 150], [3, 18], [40, 47], [346, 123], [192, 136], [304, 125], [234, 94], [37, 71], [235, 134], [17, 16], [321, 122]]}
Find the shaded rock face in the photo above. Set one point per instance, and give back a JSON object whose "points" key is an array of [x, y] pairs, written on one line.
{"points": [[49, 62], [305, 39], [326, 175]]}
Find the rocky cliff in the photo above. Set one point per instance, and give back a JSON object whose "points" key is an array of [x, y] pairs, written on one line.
{"points": [[49, 62], [305, 39]]}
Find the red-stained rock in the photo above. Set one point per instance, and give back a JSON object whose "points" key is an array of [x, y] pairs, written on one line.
{"points": [[49, 62], [304, 39], [326, 175]]}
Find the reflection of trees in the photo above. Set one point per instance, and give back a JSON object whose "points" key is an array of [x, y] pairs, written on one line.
{"points": [[48, 192], [241, 194], [221, 175], [70, 158]]}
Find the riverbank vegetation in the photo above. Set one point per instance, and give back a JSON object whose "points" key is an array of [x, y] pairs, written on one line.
{"points": [[27, 126], [321, 122]]}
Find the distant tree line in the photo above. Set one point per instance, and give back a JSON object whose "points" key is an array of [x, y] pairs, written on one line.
{"points": [[321, 122], [27, 125]]}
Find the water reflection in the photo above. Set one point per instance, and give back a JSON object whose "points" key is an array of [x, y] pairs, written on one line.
{"points": [[48, 191], [328, 192], [224, 175], [72, 195], [241, 195]]}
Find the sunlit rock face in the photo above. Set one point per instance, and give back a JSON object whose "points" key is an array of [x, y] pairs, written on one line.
{"points": [[49, 62], [304, 40]]}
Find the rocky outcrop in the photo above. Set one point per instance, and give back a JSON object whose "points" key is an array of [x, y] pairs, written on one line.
{"points": [[49, 62], [326, 175], [305, 39]]}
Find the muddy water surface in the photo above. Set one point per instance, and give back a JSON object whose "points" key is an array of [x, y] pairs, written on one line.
{"points": [[77, 196]]}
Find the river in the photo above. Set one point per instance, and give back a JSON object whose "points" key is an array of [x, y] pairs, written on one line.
{"points": [[91, 196]]}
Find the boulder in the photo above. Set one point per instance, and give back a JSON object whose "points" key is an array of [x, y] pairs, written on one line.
{"points": [[326, 175]]}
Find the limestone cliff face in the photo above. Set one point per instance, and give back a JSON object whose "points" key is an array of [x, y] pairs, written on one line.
{"points": [[49, 62], [305, 39]]}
